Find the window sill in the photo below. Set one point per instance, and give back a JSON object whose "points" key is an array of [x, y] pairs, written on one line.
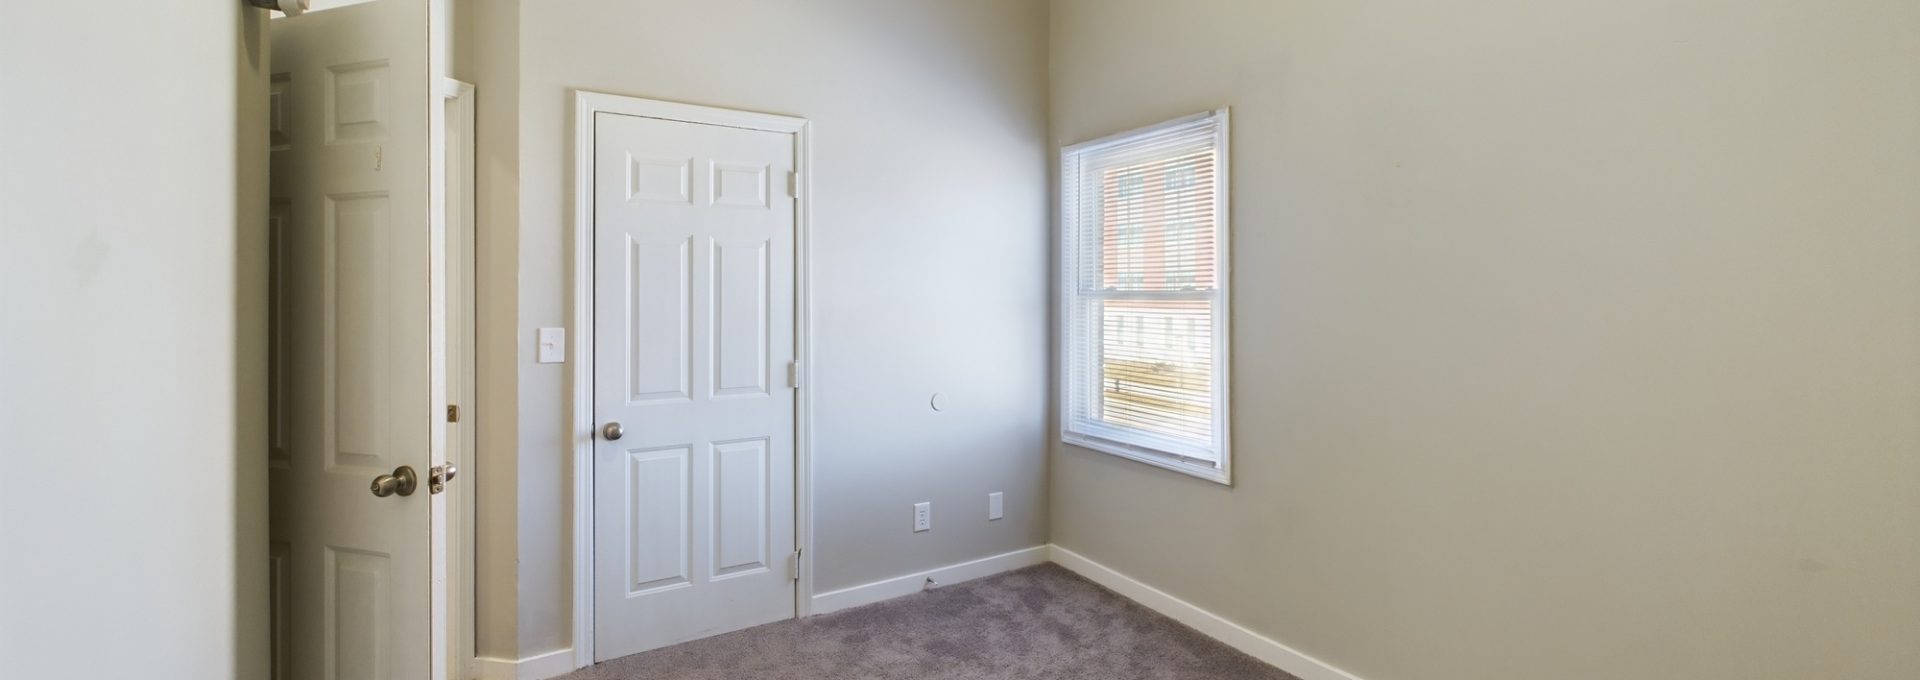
{"points": [[1164, 461]]}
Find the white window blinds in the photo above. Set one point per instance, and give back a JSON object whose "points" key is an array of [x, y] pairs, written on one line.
{"points": [[1144, 253]]}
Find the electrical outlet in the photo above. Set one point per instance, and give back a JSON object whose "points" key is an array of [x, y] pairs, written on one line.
{"points": [[996, 506], [922, 516]]}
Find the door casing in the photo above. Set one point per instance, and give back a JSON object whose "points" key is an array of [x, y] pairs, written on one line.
{"points": [[580, 404], [454, 525]]}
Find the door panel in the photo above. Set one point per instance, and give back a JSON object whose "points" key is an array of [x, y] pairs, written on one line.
{"points": [[740, 531], [694, 328], [660, 289], [352, 331], [740, 310]]}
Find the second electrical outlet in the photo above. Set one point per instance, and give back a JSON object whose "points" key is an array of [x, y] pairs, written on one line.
{"points": [[922, 516]]}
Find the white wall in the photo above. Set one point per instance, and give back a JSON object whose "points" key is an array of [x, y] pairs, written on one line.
{"points": [[132, 514], [1574, 339], [931, 259]]}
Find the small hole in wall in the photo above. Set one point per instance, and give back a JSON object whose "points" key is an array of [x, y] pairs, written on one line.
{"points": [[938, 402]]}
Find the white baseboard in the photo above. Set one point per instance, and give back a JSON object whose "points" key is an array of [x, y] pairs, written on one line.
{"points": [[1213, 625], [549, 665], [911, 583]]}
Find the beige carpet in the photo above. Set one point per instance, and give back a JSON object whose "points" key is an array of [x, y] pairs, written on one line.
{"points": [[1041, 623]]}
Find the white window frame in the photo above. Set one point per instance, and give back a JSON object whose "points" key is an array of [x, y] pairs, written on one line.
{"points": [[1132, 444]]}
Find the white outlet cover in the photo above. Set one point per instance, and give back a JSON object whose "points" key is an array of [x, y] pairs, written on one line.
{"points": [[922, 516], [996, 506]]}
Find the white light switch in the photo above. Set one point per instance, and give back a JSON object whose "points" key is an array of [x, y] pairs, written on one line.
{"points": [[553, 345], [996, 506]]}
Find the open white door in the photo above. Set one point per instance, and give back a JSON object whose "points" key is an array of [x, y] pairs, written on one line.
{"points": [[355, 385]]}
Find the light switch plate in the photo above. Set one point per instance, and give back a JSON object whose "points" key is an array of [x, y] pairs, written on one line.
{"points": [[922, 516], [996, 506], [553, 345]]}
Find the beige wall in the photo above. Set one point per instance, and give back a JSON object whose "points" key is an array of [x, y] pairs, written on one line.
{"points": [[132, 211], [487, 53], [1575, 340], [930, 263]]}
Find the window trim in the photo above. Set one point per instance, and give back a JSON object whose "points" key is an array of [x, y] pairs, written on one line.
{"points": [[1222, 472]]}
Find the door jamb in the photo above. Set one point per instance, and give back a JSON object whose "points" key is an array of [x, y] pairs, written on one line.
{"points": [[457, 531], [586, 106]]}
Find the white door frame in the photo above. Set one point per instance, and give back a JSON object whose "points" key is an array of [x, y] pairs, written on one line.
{"points": [[454, 527], [586, 106]]}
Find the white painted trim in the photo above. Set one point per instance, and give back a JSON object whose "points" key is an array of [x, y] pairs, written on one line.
{"points": [[1223, 267], [1212, 625], [909, 584], [586, 106], [454, 88], [803, 351], [551, 664], [459, 536], [1127, 135], [439, 528], [581, 405]]}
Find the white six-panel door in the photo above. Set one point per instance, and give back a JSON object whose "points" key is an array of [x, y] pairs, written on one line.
{"points": [[693, 337], [351, 341]]}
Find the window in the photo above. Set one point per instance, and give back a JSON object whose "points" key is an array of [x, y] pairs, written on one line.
{"points": [[1182, 246], [1144, 295], [1129, 252]]}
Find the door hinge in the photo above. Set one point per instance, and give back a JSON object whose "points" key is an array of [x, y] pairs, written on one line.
{"points": [[793, 183], [793, 374], [453, 413], [793, 565]]}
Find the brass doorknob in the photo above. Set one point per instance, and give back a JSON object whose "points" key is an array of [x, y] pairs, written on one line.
{"points": [[403, 481], [612, 431]]}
